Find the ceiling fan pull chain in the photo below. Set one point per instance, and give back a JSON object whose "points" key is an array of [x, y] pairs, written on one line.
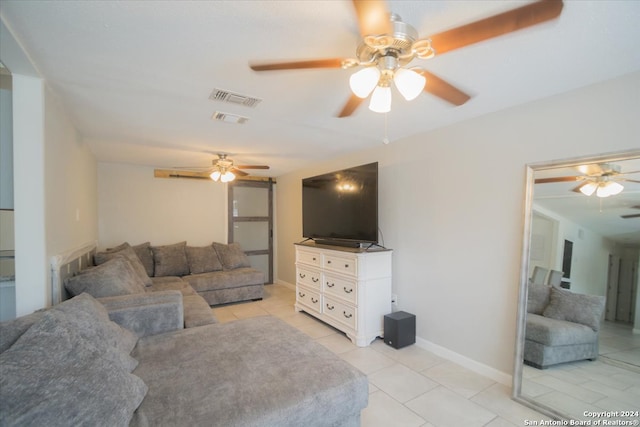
{"points": [[385, 140]]}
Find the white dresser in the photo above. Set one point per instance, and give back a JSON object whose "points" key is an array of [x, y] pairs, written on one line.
{"points": [[350, 289]]}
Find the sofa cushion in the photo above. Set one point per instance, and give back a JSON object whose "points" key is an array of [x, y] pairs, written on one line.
{"points": [[143, 251], [538, 298], [216, 280], [202, 259], [553, 332], [91, 319], [170, 260], [11, 330], [171, 283], [231, 255], [114, 277], [262, 372], [53, 376], [197, 312], [573, 307], [130, 254]]}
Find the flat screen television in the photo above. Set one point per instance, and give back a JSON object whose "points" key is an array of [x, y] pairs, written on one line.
{"points": [[341, 207]]}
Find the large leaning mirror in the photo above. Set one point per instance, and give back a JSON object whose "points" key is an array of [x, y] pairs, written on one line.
{"points": [[578, 346]]}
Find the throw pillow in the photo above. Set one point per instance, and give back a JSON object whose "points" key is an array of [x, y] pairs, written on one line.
{"points": [[114, 277], [170, 260], [538, 298], [202, 259], [130, 254], [231, 255], [143, 251], [53, 376], [92, 321], [573, 307]]}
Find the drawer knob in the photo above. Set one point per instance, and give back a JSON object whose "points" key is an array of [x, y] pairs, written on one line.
{"points": [[330, 307], [348, 316], [301, 294], [302, 276], [348, 290], [314, 258], [329, 262], [313, 300], [330, 285], [314, 279], [346, 266]]}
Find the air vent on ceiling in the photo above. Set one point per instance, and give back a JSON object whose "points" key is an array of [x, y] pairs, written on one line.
{"points": [[234, 98], [229, 118]]}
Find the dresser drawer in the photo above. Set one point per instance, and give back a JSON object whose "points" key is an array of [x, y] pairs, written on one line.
{"points": [[308, 298], [341, 265], [339, 311], [341, 288], [308, 277], [310, 258]]}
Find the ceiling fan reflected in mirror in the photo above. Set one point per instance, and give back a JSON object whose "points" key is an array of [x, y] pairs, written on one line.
{"points": [[222, 169], [389, 45], [629, 216], [601, 179]]}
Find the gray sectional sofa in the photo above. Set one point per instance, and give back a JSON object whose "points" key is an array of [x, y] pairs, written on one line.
{"points": [[561, 326], [123, 276], [72, 365]]}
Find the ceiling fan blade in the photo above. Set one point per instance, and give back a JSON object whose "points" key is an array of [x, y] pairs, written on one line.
{"points": [[497, 25], [298, 65], [352, 104], [251, 167], [239, 172], [440, 88], [373, 17], [191, 167], [630, 216], [629, 180], [558, 179]]}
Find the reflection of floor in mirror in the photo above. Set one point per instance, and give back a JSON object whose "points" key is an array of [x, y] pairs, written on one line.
{"points": [[619, 345], [603, 384]]}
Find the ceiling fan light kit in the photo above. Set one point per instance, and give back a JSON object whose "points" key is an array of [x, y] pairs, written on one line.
{"points": [[389, 45]]}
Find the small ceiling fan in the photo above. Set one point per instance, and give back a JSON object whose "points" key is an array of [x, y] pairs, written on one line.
{"points": [[222, 169], [389, 45], [603, 179]]}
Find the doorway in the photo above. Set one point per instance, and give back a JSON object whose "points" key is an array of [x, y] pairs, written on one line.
{"points": [[251, 222]]}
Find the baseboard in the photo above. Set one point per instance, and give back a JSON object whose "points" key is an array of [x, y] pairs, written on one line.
{"points": [[472, 365]]}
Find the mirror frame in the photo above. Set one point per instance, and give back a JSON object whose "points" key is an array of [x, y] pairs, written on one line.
{"points": [[531, 168]]}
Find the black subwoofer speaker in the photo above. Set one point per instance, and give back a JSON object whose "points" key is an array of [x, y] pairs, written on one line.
{"points": [[399, 329]]}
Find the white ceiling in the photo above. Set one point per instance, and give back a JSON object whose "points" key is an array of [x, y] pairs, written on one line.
{"points": [[135, 76]]}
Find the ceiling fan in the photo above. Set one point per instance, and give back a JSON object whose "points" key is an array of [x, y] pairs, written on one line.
{"points": [[222, 169], [389, 45], [603, 179]]}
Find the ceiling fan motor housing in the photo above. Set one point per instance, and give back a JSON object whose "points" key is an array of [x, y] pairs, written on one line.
{"points": [[399, 44]]}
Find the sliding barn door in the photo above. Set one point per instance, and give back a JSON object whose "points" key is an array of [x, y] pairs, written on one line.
{"points": [[251, 222]]}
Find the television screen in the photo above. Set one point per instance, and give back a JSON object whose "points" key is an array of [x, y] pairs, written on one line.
{"points": [[342, 205]]}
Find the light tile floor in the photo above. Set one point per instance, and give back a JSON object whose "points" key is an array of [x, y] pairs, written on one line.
{"points": [[610, 383], [407, 387]]}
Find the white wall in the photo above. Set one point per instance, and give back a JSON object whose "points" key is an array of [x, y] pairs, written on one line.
{"points": [[53, 174], [134, 206], [590, 258], [457, 246]]}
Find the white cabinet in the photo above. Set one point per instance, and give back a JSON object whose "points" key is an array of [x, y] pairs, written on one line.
{"points": [[350, 289]]}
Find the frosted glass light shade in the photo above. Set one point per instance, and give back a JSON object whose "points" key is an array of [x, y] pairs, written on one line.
{"points": [[610, 188], [589, 188], [364, 81], [215, 175], [381, 100], [227, 177], [409, 83]]}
